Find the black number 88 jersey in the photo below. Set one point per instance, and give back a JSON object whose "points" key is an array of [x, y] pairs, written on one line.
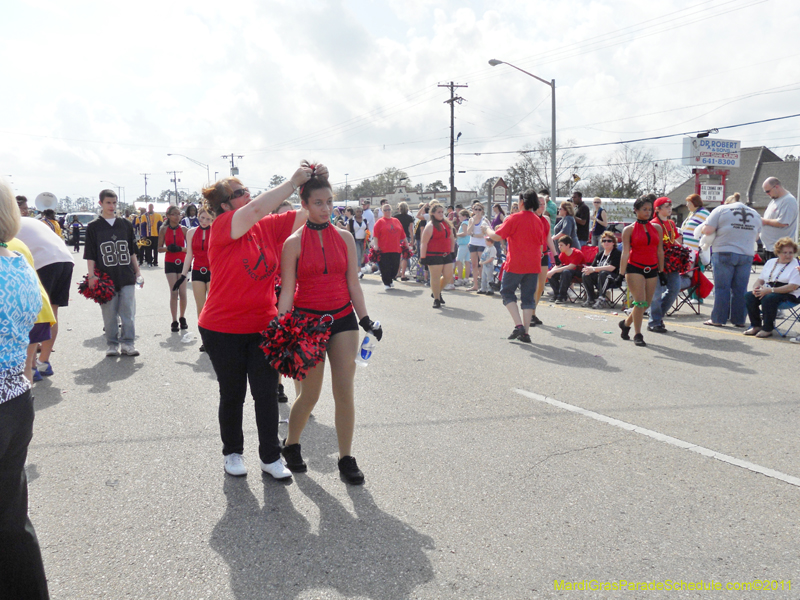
{"points": [[110, 247]]}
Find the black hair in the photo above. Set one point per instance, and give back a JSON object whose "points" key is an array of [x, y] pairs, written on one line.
{"points": [[317, 182], [529, 199], [107, 194], [544, 192], [567, 241], [22, 200], [642, 200], [578, 194]]}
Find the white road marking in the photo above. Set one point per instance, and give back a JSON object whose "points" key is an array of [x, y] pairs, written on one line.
{"points": [[664, 438]]}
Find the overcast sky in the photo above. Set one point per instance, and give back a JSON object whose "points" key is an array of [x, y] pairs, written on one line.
{"points": [[104, 90]]}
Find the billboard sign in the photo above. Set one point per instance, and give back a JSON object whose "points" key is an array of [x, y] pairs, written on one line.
{"points": [[712, 193], [708, 152]]}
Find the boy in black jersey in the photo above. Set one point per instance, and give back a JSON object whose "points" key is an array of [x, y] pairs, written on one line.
{"points": [[110, 248]]}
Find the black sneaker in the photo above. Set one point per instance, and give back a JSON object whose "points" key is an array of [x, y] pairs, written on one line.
{"points": [[183, 323], [349, 471], [282, 397], [524, 337], [437, 304], [202, 348], [441, 298], [535, 321], [657, 328], [174, 327], [626, 330], [638, 339], [518, 330], [294, 460]]}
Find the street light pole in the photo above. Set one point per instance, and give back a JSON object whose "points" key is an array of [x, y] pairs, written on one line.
{"points": [[552, 84], [345, 188], [197, 162], [119, 189]]}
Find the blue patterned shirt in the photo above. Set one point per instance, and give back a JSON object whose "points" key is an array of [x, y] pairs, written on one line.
{"points": [[20, 303]]}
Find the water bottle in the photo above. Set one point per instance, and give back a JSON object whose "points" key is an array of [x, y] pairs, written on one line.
{"points": [[366, 348], [140, 282]]}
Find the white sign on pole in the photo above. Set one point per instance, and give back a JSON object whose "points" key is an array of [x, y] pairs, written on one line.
{"points": [[712, 193], [708, 152]]}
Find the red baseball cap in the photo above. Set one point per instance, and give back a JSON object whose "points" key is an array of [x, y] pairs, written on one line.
{"points": [[662, 201]]}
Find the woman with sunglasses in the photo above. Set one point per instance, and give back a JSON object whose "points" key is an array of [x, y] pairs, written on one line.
{"points": [[172, 242], [437, 252], [477, 242], [642, 261], [244, 250], [319, 276], [602, 273]]}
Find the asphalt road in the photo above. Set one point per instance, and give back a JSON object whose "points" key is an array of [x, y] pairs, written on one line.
{"points": [[476, 486]]}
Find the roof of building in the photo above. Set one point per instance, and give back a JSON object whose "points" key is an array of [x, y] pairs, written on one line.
{"points": [[757, 164]]}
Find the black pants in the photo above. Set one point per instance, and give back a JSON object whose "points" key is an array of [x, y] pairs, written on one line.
{"points": [[389, 264], [237, 359], [21, 569], [151, 251], [596, 284], [561, 282]]}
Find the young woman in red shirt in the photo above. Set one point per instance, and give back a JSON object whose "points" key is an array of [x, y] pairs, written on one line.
{"points": [[319, 273], [197, 240], [642, 261], [245, 246], [437, 252], [172, 241]]}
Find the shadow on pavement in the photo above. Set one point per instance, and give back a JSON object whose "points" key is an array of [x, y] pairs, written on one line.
{"points": [[46, 394], [99, 342], [575, 336], [272, 552], [704, 359], [459, 313], [707, 343], [577, 359], [106, 371]]}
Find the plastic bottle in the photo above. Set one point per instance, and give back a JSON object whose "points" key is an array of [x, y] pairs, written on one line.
{"points": [[139, 282], [366, 349]]}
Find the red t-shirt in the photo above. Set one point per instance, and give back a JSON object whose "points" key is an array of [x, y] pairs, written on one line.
{"points": [[389, 232], [576, 258], [524, 233], [241, 296]]}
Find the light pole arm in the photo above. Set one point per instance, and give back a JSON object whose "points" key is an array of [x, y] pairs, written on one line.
{"points": [[197, 162], [544, 81]]}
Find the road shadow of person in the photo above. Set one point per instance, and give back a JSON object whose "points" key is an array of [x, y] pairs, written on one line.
{"points": [[272, 552], [46, 394], [574, 336], [707, 343], [684, 357], [105, 371], [568, 356], [97, 343], [460, 313]]}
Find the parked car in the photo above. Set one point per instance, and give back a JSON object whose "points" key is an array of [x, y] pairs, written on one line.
{"points": [[84, 218], [616, 228]]}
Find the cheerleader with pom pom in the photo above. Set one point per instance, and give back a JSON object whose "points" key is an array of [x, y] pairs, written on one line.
{"points": [[320, 262]]}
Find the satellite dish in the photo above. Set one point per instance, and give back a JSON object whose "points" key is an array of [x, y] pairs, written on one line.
{"points": [[45, 201]]}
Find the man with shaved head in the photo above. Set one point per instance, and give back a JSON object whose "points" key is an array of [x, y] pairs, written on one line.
{"points": [[780, 218]]}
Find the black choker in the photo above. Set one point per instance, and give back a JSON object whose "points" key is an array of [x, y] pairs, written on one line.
{"points": [[642, 221], [317, 226]]}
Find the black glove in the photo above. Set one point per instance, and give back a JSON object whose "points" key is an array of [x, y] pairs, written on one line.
{"points": [[178, 283], [173, 248], [662, 277], [369, 326]]}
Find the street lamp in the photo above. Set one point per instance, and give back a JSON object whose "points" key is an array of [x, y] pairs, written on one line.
{"points": [[197, 162], [120, 189], [552, 84]]}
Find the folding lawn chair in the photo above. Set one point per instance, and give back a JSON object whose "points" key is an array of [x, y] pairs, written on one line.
{"points": [[791, 316]]}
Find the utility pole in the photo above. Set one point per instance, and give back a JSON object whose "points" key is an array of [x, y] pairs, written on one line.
{"points": [[452, 102], [345, 188], [234, 168], [175, 180], [146, 197]]}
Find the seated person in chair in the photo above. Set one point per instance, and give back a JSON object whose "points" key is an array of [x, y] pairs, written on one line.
{"points": [[571, 260], [603, 273], [779, 282]]}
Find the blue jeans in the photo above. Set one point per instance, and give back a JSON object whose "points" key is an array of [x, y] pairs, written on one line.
{"points": [[526, 282], [663, 298], [731, 276], [766, 308], [122, 305]]}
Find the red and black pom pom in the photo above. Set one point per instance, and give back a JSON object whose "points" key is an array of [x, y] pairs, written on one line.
{"points": [[102, 292], [405, 251], [295, 343], [374, 255]]}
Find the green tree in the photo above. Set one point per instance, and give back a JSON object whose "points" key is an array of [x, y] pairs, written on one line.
{"points": [[383, 183], [276, 180], [436, 186]]}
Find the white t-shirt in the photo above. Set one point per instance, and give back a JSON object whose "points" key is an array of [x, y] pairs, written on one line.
{"points": [[737, 227], [45, 246], [785, 210], [784, 274], [369, 217]]}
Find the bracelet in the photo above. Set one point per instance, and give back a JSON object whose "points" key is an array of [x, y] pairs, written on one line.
{"points": [[294, 187]]}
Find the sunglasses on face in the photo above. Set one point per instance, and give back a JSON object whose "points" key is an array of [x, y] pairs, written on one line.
{"points": [[239, 193], [606, 241]]}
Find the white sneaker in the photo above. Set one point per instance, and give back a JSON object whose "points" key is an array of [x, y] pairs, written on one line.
{"points": [[449, 286], [234, 465], [387, 287], [277, 469], [113, 350], [795, 340], [129, 350]]}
